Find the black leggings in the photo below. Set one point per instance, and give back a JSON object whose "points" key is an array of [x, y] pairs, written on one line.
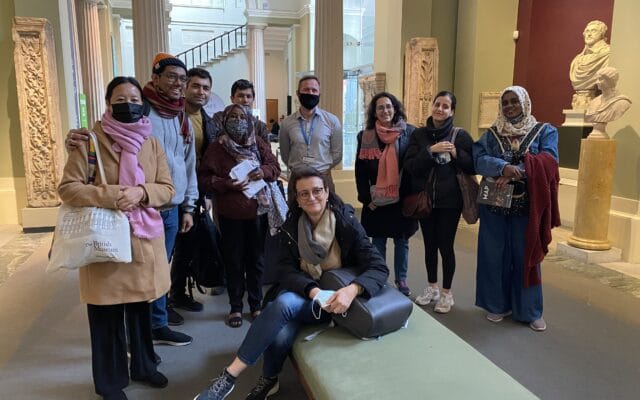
{"points": [[439, 233]]}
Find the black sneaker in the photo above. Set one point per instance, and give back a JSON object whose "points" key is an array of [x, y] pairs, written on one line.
{"points": [[165, 335], [155, 379], [264, 388], [186, 303], [219, 389], [175, 319]]}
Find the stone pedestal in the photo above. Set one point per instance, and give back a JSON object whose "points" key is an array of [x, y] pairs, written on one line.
{"points": [[421, 60], [371, 85], [574, 118], [589, 256], [591, 228]]}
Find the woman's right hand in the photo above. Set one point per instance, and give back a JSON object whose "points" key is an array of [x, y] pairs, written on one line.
{"points": [[76, 138], [234, 184], [442, 147]]}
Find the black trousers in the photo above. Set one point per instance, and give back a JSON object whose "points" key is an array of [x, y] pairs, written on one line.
{"points": [[242, 250], [109, 344], [438, 233], [185, 248]]}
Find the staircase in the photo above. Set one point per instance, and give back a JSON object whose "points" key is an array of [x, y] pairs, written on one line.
{"points": [[214, 50]]}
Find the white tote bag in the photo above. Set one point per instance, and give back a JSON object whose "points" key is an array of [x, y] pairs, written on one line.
{"points": [[86, 235]]}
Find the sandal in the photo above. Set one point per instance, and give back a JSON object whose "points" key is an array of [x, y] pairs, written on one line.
{"points": [[234, 320], [254, 314]]}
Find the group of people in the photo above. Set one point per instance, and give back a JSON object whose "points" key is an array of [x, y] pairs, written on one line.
{"points": [[166, 160]]}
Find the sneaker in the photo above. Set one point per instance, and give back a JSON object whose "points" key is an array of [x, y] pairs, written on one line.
{"points": [[538, 325], [219, 388], [445, 303], [497, 317], [175, 319], [403, 288], [264, 388], [155, 379], [165, 335], [430, 294], [186, 303]]}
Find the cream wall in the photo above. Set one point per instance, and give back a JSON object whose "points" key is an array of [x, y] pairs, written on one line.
{"points": [[303, 51], [388, 52], [485, 55], [231, 68], [276, 79]]}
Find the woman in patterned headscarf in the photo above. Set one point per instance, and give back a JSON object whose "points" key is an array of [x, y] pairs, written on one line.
{"points": [[240, 217], [520, 151]]}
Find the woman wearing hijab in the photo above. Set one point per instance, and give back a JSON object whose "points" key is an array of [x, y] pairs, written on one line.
{"points": [[137, 182], [379, 180], [433, 159], [320, 233], [520, 151], [241, 226]]}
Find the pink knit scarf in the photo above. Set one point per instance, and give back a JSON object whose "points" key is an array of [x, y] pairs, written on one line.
{"points": [[388, 179], [146, 222]]}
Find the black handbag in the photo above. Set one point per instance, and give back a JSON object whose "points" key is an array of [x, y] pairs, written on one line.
{"points": [[206, 268], [383, 313]]}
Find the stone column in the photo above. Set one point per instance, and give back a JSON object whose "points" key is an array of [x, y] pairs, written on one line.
{"points": [[421, 60], [91, 58], [117, 61], [593, 200], [42, 142], [104, 15], [328, 54], [256, 56], [149, 35]]}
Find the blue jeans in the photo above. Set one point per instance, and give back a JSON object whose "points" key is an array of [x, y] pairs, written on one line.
{"points": [[275, 329], [400, 255], [171, 222]]}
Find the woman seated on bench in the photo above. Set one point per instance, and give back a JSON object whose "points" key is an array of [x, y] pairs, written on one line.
{"points": [[320, 233]]}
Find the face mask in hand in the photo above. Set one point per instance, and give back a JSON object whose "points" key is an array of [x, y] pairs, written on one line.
{"points": [[321, 298], [127, 112], [308, 101]]}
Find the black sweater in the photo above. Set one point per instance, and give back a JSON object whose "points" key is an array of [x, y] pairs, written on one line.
{"points": [[419, 162]]}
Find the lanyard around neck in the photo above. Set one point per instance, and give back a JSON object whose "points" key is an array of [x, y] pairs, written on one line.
{"points": [[307, 138]]}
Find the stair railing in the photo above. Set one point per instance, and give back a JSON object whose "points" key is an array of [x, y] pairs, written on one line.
{"points": [[214, 48]]}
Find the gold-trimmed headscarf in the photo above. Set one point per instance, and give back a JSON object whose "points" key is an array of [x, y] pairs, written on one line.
{"points": [[516, 131]]}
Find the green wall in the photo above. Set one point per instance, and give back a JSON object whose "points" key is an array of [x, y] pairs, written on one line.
{"points": [[485, 55]]}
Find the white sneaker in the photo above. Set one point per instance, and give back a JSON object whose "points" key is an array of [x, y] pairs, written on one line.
{"points": [[445, 303], [430, 294]]}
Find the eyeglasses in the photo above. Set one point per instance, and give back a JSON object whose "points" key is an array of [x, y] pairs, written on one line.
{"points": [[306, 195], [175, 77]]}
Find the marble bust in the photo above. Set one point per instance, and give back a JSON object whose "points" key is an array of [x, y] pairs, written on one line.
{"points": [[593, 57], [607, 107]]}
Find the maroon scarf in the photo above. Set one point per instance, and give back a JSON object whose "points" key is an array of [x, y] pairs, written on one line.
{"points": [[168, 108]]}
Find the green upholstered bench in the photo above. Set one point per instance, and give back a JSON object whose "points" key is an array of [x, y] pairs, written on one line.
{"points": [[338, 366]]}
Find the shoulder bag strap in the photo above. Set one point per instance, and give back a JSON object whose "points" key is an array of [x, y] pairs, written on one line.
{"points": [[531, 137], [94, 159]]}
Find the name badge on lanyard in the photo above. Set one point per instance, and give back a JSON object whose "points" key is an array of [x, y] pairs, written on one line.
{"points": [[307, 159]]}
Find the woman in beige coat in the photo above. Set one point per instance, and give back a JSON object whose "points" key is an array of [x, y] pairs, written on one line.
{"points": [[137, 182]]}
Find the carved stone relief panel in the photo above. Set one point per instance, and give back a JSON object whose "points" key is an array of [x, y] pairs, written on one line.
{"points": [[371, 85], [37, 83], [421, 60], [489, 102]]}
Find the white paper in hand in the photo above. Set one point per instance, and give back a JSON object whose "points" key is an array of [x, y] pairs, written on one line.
{"points": [[241, 173]]}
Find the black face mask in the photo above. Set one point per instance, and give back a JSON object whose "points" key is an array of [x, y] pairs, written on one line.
{"points": [[309, 101], [127, 112]]}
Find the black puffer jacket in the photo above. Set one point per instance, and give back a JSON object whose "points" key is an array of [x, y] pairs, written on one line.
{"points": [[419, 162], [355, 248]]}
